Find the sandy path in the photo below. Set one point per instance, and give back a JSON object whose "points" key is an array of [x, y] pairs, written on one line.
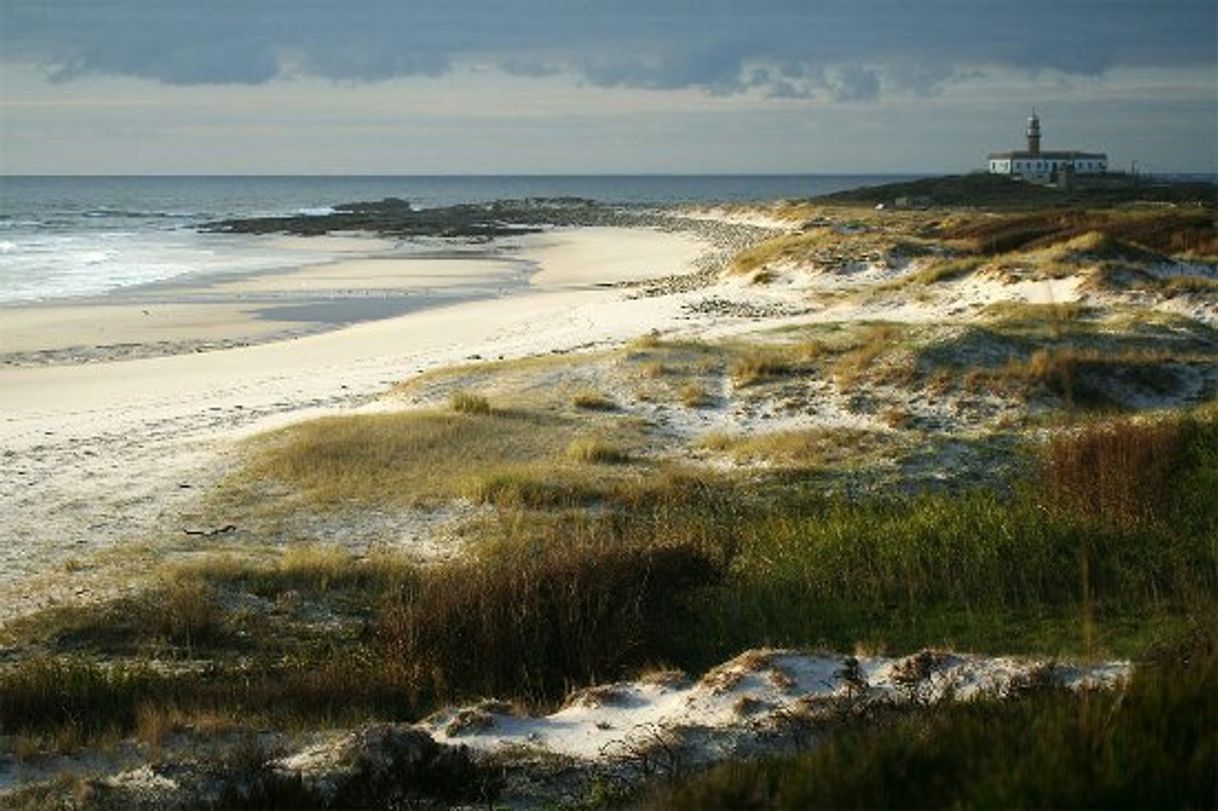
{"points": [[101, 453]]}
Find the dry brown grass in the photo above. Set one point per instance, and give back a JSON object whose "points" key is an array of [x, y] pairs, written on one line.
{"points": [[800, 448], [597, 451], [465, 402], [593, 401], [403, 458], [1118, 472], [760, 365], [695, 395], [850, 368], [153, 724], [653, 370], [649, 341]]}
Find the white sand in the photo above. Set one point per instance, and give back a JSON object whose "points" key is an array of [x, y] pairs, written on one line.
{"points": [[111, 452], [601, 256]]}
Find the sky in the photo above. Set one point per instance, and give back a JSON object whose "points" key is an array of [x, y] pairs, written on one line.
{"points": [[573, 87]]}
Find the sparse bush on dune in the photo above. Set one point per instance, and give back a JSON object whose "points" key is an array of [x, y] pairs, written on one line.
{"points": [[695, 395], [597, 450], [593, 401], [758, 366], [467, 403]]}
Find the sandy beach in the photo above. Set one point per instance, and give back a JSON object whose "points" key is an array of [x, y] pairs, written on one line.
{"points": [[101, 452]]}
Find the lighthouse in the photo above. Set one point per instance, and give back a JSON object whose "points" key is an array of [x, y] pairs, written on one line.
{"points": [[1034, 135], [1043, 167]]}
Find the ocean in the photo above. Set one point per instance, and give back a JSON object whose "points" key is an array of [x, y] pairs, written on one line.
{"points": [[81, 236]]}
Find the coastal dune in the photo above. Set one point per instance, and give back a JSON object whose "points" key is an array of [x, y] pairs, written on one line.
{"points": [[99, 453]]}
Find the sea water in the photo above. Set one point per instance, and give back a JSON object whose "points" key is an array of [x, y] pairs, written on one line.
{"points": [[80, 236]]}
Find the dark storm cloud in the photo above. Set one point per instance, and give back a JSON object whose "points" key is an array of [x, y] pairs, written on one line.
{"points": [[844, 49]]}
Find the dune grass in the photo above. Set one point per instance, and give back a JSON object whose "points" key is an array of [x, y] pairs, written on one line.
{"points": [[465, 402], [593, 401], [678, 570], [596, 450], [420, 456], [695, 395], [758, 366], [785, 248], [801, 448], [1089, 377], [946, 271], [850, 367]]}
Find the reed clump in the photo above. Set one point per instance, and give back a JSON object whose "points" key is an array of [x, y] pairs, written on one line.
{"points": [[1120, 473], [534, 621]]}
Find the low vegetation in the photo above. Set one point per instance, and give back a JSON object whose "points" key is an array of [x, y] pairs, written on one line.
{"points": [[593, 401], [688, 571], [466, 403], [802, 448], [1153, 744]]}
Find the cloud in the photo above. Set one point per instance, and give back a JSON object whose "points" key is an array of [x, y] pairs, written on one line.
{"points": [[846, 50]]}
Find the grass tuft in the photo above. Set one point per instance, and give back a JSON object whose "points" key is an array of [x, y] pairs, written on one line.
{"points": [[758, 366], [593, 401], [464, 402], [596, 450]]}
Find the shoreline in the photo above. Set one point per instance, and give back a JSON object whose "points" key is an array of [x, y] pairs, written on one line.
{"points": [[111, 453], [194, 313]]}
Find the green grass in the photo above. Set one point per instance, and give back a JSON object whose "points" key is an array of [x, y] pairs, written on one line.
{"points": [[1153, 745]]}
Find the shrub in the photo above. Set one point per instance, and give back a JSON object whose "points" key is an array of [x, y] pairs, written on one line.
{"points": [[466, 403], [536, 620]]}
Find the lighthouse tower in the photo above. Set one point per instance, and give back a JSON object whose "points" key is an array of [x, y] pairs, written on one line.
{"points": [[1034, 135], [1043, 167]]}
